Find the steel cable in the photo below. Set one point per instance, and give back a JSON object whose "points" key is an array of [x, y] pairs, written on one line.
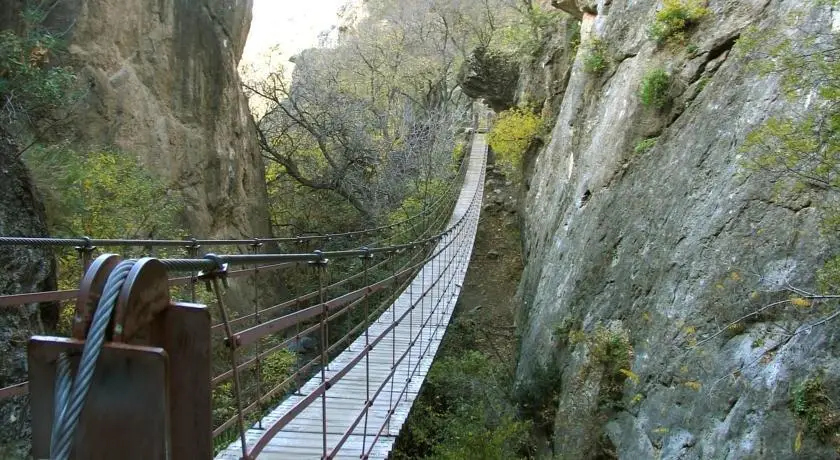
{"points": [[72, 396]]}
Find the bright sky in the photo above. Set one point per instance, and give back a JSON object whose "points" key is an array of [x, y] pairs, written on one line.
{"points": [[292, 25]]}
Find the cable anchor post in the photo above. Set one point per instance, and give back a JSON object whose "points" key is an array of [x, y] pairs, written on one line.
{"points": [[192, 253], [85, 251], [219, 271]]}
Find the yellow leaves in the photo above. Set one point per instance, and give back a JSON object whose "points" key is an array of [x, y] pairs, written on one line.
{"points": [[646, 316], [660, 430], [736, 328], [800, 302], [797, 443], [690, 330], [693, 384], [637, 398], [630, 375], [512, 134], [735, 276]]}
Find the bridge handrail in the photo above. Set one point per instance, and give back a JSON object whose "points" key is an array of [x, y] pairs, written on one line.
{"points": [[278, 425]]}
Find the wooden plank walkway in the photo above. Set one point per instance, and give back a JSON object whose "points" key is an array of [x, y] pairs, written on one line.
{"points": [[302, 438]]}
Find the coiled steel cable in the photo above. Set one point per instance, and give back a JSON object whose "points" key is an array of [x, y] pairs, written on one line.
{"points": [[70, 397]]}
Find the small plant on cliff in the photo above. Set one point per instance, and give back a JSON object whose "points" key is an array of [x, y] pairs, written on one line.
{"points": [[817, 412], [513, 133], [610, 347], [675, 17], [645, 145], [596, 60], [655, 87]]}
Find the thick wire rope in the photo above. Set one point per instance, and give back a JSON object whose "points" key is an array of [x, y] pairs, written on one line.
{"points": [[70, 397]]}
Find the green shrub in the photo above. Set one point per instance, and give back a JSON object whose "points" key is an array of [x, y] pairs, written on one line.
{"points": [[675, 17], [596, 60], [102, 194], [813, 407], [525, 37], [645, 145], [655, 87], [31, 84], [464, 412], [512, 133]]}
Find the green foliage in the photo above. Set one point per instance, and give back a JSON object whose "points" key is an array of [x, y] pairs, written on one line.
{"points": [[596, 60], [468, 416], [828, 277], [103, 194], [645, 145], [655, 88], [424, 195], [526, 36], [610, 350], [277, 367], [296, 209], [31, 86], [811, 404], [513, 133], [801, 153], [611, 347], [675, 17]]}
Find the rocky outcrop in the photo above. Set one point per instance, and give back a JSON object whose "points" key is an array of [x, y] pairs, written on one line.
{"points": [[543, 80], [667, 246], [24, 270], [492, 76], [163, 85]]}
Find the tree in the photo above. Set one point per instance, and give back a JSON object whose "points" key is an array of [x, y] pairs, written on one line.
{"points": [[34, 86], [376, 112], [801, 151]]}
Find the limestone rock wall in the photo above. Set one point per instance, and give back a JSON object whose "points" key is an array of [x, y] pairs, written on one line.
{"points": [[668, 246], [163, 84], [24, 270]]}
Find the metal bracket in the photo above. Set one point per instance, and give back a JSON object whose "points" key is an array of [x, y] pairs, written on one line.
{"points": [[220, 272], [367, 253], [90, 290], [143, 297], [322, 261]]}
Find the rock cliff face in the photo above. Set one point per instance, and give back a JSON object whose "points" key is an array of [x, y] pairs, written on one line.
{"points": [[25, 270], [643, 255], [163, 85]]}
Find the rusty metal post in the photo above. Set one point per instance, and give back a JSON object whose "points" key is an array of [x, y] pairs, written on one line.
{"points": [[150, 390], [192, 253], [85, 252], [214, 280], [255, 249], [321, 266], [366, 258]]}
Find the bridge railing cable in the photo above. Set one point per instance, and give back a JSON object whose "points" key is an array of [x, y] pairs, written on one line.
{"points": [[250, 337], [346, 302], [447, 244]]}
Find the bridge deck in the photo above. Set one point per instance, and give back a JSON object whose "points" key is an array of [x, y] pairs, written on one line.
{"points": [[302, 438]]}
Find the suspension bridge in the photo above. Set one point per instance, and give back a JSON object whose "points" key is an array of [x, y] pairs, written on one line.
{"points": [[153, 367]]}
